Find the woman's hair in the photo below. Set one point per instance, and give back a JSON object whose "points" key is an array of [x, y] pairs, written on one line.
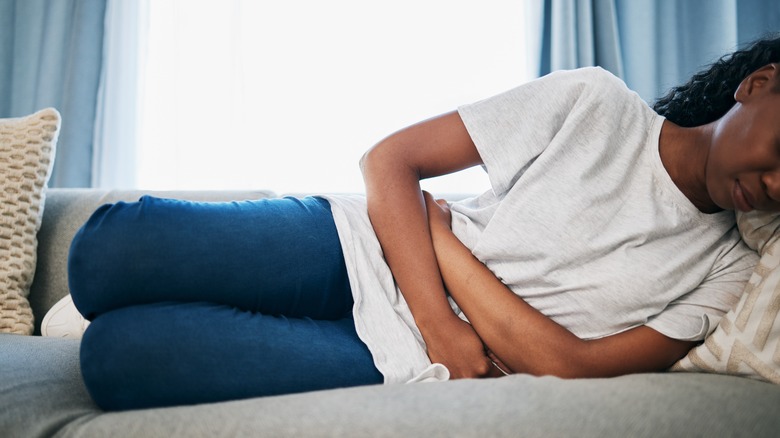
{"points": [[710, 93]]}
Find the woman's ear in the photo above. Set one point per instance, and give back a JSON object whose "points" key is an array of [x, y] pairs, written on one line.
{"points": [[766, 78]]}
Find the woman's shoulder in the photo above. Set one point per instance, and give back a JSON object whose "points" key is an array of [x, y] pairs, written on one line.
{"points": [[595, 82], [590, 75]]}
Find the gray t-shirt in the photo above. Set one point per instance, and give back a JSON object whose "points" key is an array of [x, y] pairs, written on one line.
{"points": [[583, 222]]}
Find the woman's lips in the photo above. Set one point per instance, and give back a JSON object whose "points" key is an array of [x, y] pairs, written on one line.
{"points": [[740, 198]]}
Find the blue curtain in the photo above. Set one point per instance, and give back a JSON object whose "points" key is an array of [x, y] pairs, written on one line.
{"points": [[51, 55], [652, 45]]}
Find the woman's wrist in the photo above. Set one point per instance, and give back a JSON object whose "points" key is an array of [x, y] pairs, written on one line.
{"points": [[435, 326], [438, 231], [444, 240]]}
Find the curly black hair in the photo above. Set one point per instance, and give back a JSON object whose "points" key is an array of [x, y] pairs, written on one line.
{"points": [[710, 93]]}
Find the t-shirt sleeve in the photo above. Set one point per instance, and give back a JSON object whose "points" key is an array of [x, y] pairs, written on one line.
{"points": [[513, 128], [696, 314]]}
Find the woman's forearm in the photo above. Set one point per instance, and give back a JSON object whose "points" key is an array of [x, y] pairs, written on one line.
{"points": [[392, 171], [524, 339], [527, 341], [397, 212]]}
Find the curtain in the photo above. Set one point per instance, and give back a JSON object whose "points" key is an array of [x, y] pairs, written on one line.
{"points": [[579, 33], [652, 45], [119, 99], [51, 55]]}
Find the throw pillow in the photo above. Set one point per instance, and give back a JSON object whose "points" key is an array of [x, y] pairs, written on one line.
{"points": [[747, 340], [26, 155]]}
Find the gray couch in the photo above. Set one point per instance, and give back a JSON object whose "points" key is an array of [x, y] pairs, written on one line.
{"points": [[41, 392]]}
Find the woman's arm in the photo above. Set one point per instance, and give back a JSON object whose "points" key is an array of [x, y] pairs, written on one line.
{"points": [[392, 170], [522, 338]]}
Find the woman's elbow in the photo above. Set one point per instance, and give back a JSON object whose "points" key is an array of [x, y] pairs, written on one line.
{"points": [[364, 160], [372, 159], [387, 162], [371, 167]]}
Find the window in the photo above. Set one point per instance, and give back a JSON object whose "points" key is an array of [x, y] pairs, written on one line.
{"points": [[288, 95]]}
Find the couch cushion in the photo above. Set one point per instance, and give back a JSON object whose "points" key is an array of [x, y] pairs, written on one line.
{"points": [[26, 156], [40, 385], [645, 405], [42, 394]]}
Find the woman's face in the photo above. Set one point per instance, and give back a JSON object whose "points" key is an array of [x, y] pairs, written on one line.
{"points": [[743, 166]]}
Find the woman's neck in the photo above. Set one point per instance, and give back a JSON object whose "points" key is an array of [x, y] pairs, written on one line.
{"points": [[684, 153]]}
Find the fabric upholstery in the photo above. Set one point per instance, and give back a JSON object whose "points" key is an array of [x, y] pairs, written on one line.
{"points": [[49, 398], [41, 388], [642, 405]]}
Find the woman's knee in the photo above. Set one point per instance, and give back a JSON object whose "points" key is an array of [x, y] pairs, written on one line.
{"points": [[108, 363], [148, 356], [96, 260]]}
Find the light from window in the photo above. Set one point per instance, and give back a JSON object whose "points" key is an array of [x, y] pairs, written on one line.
{"points": [[287, 95]]}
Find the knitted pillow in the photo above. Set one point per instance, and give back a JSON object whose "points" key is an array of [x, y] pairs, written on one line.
{"points": [[747, 340], [26, 155]]}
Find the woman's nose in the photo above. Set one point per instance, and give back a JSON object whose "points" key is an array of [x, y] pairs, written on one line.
{"points": [[771, 182]]}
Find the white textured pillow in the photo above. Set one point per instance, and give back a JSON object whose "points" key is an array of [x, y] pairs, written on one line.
{"points": [[747, 340], [26, 155]]}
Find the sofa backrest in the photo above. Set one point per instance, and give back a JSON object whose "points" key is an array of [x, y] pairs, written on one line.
{"points": [[66, 210]]}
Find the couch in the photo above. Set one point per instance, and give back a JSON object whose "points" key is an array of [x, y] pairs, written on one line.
{"points": [[42, 394]]}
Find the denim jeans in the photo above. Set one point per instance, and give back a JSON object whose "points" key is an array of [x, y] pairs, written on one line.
{"points": [[196, 302]]}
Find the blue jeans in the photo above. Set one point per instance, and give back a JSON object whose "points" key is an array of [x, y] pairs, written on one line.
{"points": [[203, 302]]}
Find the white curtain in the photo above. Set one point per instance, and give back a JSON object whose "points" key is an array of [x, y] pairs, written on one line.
{"points": [[114, 158], [287, 95]]}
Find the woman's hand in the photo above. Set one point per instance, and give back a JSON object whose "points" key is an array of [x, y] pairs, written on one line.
{"points": [[439, 214], [458, 347], [500, 367]]}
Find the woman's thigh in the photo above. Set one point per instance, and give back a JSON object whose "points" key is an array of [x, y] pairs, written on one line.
{"points": [[171, 353], [274, 256]]}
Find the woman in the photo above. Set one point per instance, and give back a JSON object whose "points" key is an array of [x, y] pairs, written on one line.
{"points": [[606, 246]]}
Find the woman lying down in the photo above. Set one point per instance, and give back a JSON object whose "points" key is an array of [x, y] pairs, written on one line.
{"points": [[607, 245]]}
